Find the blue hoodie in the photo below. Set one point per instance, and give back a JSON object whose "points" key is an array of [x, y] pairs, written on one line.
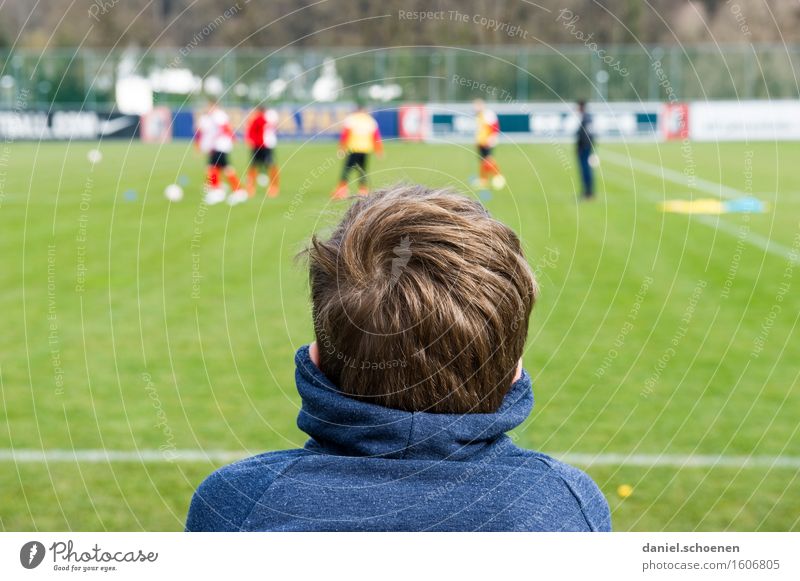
{"points": [[371, 468]]}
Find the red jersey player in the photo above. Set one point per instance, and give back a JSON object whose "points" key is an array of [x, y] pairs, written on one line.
{"points": [[262, 135]]}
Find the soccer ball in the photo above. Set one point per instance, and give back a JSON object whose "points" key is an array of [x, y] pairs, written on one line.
{"points": [[262, 180], [174, 193], [594, 161], [498, 182], [94, 156]]}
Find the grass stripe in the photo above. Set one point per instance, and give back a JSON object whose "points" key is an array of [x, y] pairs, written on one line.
{"points": [[583, 459]]}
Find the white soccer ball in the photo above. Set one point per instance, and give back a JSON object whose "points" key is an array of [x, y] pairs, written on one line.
{"points": [[94, 156], [174, 193], [498, 182], [594, 161], [262, 180]]}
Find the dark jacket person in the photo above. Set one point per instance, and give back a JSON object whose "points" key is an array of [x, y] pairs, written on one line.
{"points": [[585, 148]]}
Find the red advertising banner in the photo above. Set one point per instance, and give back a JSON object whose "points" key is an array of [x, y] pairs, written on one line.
{"points": [[413, 122], [156, 126], [675, 121]]}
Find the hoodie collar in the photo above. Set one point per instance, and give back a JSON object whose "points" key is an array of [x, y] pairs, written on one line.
{"points": [[341, 425]]}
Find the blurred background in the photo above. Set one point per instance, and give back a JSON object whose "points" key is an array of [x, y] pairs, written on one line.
{"points": [[86, 52], [148, 338]]}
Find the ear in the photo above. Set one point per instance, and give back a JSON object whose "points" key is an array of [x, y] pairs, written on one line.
{"points": [[518, 374], [313, 353]]}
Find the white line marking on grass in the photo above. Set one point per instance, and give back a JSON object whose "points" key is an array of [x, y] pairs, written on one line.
{"points": [[28, 456], [102, 456], [752, 238], [680, 460], [675, 177]]}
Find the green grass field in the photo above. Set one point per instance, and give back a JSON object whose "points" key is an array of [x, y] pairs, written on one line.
{"points": [[136, 324]]}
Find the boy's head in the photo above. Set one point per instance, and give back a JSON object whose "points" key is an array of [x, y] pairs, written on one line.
{"points": [[421, 302]]}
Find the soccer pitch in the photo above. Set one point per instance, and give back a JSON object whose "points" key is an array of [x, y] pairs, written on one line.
{"points": [[664, 347]]}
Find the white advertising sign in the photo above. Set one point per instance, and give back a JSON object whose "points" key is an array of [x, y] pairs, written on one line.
{"points": [[744, 120]]}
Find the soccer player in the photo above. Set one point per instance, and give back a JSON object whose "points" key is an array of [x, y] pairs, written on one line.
{"points": [[215, 137], [585, 150], [262, 135], [487, 131], [359, 138]]}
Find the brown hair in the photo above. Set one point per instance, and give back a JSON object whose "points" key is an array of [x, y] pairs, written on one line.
{"points": [[421, 302]]}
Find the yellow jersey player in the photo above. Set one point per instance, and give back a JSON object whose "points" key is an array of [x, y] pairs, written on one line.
{"points": [[487, 131], [359, 138]]}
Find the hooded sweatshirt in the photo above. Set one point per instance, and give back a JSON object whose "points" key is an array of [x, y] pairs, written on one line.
{"points": [[366, 467]]}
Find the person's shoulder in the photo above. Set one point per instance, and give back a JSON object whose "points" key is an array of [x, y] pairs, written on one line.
{"points": [[588, 495], [255, 465], [225, 498], [579, 485]]}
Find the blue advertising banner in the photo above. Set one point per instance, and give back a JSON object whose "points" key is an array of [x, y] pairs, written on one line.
{"points": [[295, 122]]}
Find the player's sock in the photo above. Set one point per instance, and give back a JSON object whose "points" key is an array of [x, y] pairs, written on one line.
{"points": [[340, 191], [212, 177], [274, 181], [252, 176], [482, 174], [363, 188], [233, 179]]}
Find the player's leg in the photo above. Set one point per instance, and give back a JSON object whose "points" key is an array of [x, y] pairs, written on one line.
{"points": [[252, 175], [238, 195], [341, 190], [256, 163], [274, 181], [492, 169], [493, 172], [587, 178], [214, 194], [230, 174], [361, 167], [483, 173], [212, 176], [212, 171], [274, 173]]}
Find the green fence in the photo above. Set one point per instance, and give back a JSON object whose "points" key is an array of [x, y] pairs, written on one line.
{"points": [[614, 73]]}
